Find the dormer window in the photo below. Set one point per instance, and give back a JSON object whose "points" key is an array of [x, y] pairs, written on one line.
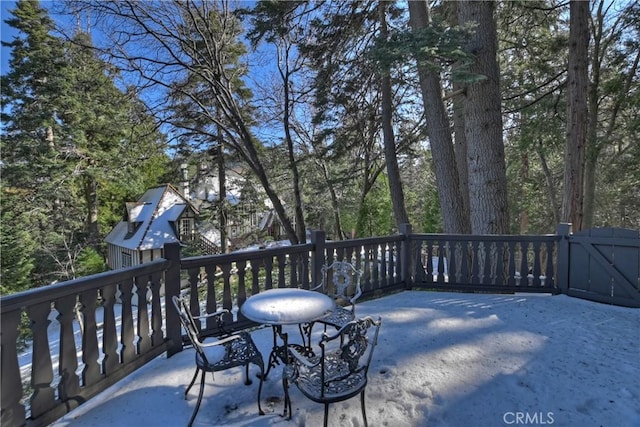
{"points": [[132, 227], [134, 211]]}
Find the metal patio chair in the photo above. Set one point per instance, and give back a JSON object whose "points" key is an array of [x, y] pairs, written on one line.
{"points": [[341, 281], [339, 372], [229, 351]]}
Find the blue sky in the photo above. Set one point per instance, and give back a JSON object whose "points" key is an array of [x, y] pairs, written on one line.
{"points": [[7, 33]]}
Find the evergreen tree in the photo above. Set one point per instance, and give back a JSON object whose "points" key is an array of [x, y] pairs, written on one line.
{"points": [[33, 164], [353, 92], [489, 211], [533, 46], [454, 210], [16, 244], [68, 133], [30, 95]]}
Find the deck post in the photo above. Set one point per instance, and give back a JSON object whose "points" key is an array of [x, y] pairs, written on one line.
{"points": [[405, 256], [563, 231], [318, 239], [13, 412], [172, 288]]}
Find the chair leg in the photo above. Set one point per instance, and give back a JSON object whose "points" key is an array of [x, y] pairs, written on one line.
{"points": [[364, 412], [326, 414], [260, 411], [247, 380], [306, 330], [287, 399], [193, 380], [195, 411]]}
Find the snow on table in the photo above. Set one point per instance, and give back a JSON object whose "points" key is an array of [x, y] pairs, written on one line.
{"points": [[287, 306]]}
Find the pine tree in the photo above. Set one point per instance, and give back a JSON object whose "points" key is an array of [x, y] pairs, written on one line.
{"points": [[16, 245], [33, 165], [70, 132]]}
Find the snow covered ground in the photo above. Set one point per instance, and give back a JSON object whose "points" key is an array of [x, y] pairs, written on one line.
{"points": [[443, 359]]}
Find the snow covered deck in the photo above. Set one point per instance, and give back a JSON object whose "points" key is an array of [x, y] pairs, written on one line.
{"points": [[443, 359]]}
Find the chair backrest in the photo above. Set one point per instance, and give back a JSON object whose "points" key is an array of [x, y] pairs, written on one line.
{"points": [[345, 279], [189, 324], [354, 347]]}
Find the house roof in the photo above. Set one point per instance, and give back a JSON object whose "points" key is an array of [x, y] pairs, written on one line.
{"points": [[154, 215]]}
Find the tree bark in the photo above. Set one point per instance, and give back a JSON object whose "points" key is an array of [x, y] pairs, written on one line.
{"points": [[300, 227], [555, 206], [460, 149], [577, 119], [524, 177], [222, 194], [391, 160], [460, 139], [483, 125], [91, 199], [439, 132]]}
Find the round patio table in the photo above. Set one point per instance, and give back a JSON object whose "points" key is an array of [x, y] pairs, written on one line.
{"points": [[287, 306]]}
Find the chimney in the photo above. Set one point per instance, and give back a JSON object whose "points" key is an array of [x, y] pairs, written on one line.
{"points": [[185, 181]]}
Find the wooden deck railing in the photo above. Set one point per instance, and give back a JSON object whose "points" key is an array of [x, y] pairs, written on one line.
{"points": [[495, 263], [121, 329], [123, 322]]}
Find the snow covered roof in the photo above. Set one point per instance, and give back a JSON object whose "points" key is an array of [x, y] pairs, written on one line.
{"points": [[134, 210], [152, 220], [267, 220]]}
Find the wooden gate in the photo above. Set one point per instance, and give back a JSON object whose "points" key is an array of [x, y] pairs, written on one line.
{"points": [[604, 265]]}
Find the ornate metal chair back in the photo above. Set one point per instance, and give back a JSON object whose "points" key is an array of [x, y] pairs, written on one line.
{"points": [[190, 326], [355, 343], [341, 280]]}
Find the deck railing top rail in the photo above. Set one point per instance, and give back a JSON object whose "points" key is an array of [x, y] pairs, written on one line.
{"points": [[55, 291]]}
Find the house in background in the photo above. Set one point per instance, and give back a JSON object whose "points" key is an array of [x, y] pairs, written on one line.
{"points": [[250, 215], [165, 214], [162, 215]]}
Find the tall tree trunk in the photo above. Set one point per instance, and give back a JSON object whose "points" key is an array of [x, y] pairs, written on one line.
{"points": [[338, 232], [590, 168], [301, 230], [460, 139], [91, 199], [593, 146], [438, 129], [460, 148], [247, 149], [483, 124], [577, 87], [222, 194], [391, 160], [550, 184], [524, 177]]}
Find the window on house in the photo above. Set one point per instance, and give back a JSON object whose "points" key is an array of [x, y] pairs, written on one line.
{"points": [[132, 227], [186, 229], [126, 259]]}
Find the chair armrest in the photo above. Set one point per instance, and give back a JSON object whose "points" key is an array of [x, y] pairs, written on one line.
{"points": [[356, 296], [317, 287], [301, 359], [221, 341], [207, 315]]}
